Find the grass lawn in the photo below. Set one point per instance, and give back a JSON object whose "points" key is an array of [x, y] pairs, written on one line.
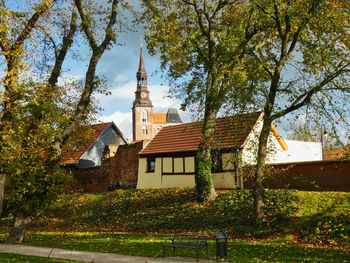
{"points": [[299, 226], [151, 246], [4, 257]]}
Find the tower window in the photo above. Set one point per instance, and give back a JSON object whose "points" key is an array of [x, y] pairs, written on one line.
{"points": [[143, 116], [144, 130]]}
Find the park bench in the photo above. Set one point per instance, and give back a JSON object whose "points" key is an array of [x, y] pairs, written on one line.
{"points": [[187, 241]]}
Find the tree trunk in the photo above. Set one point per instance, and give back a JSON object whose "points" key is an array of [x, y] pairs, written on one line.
{"points": [[19, 228], [259, 205], [2, 191], [204, 181]]}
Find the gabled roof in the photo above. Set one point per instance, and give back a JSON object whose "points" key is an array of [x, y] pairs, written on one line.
{"points": [[230, 132], [83, 138]]}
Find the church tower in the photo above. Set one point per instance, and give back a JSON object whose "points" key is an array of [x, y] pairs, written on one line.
{"points": [[142, 113]]}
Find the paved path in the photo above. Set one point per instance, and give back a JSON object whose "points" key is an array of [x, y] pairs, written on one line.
{"points": [[88, 256]]}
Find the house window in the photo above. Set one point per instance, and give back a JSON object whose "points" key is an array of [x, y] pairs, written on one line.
{"points": [[178, 165], [189, 164], [229, 161], [144, 130], [143, 116], [216, 162], [151, 165]]}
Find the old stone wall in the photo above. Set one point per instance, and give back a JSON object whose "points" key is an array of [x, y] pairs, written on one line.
{"points": [[119, 171]]}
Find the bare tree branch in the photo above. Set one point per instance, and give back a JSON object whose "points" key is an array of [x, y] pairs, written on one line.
{"points": [[66, 44], [86, 25], [42, 8], [308, 94]]}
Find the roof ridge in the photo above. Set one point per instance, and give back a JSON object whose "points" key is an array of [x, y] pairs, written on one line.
{"points": [[218, 118]]}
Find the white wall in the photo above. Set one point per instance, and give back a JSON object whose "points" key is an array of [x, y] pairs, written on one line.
{"points": [[250, 149], [298, 151], [93, 155]]}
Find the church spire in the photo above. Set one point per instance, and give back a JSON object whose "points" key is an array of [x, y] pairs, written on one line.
{"points": [[141, 74], [142, 113], [142, 93], [141, 63]]}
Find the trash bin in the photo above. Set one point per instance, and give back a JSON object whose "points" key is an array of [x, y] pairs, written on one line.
{"points": [[221, 247]]}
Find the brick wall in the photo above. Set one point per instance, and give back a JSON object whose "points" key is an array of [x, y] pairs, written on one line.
{"points": [[316, 175], [123, 167], [119, 171], [90, 180]]}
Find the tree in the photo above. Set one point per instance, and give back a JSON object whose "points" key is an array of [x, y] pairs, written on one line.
{"points": [[303, 62], [32, 184], [33, 128], [13, 34], [206, 43]]}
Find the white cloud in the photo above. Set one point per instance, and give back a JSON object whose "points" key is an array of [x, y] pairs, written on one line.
{"points": [[123, 120], [121, 79], [123, 93], [158, 96], [187, 116], [124, 89]]}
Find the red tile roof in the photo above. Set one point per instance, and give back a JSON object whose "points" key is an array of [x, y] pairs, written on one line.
{"points": [[337, 153], [80, 142], [229, 132]]}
